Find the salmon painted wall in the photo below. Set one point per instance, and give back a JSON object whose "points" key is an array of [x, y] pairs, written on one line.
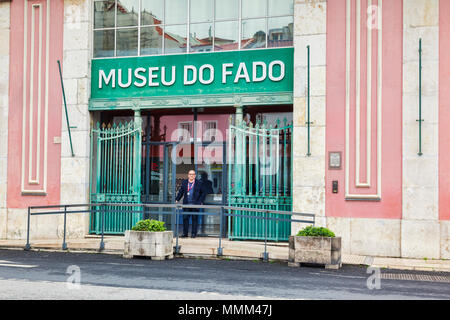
{"points": [[211, 153], [444, 110], [172, 125], [370, 178], [34, 157]]}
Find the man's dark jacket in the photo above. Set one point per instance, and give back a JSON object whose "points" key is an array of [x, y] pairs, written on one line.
{"points": [[199, 194]]}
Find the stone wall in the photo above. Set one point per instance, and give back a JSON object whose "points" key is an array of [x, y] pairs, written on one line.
{"points": [[420, 229], [4, 105], [310, 28], [76, 77]]}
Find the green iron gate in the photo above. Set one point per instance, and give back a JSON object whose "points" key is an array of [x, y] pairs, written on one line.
{"points": [[116, 175], [260, 177]]}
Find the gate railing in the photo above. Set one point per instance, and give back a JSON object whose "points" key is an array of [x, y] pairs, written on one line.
{"points": [[116, 172], [260, 177], [263, 216]]}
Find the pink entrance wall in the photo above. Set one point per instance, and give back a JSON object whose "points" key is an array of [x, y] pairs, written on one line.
{"points": [[444, 110], [34, 160], [389, 205], [209, 154]]}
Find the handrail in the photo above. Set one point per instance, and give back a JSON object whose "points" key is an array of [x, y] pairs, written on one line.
{"points": [[157, 205], [141, 206]]}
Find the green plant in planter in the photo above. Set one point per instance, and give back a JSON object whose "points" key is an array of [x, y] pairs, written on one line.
{"points": [[311, 231], [149, 225]]}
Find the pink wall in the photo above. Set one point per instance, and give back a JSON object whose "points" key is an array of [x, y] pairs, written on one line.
{"points": [[34, 161], [172, 124], [212, 154], [444, 110], [390, 205]]}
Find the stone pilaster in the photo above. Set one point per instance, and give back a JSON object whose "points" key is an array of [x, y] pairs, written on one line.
{"points": [[310, 17], [4, 107], [420, 230], [76, 77]]}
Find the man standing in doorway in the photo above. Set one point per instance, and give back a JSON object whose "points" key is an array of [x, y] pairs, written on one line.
{"points": [[192, 192]]}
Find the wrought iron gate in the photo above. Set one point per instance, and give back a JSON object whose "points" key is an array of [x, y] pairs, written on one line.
{"points": [[260, 176], [116, 174]]}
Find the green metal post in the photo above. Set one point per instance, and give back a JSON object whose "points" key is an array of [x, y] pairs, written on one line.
{"points": [[250, 159], [137, 159], [308, 102], [420, 98], [258, 157], [99, 187], [230, 164], [264, 158], [285, 177], [65, 106]]}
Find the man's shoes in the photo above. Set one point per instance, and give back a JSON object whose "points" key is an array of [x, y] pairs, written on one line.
{"points": [[193, 235], [184, 236]]}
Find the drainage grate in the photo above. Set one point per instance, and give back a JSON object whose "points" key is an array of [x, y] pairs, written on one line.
{"points": [[415, 277]]}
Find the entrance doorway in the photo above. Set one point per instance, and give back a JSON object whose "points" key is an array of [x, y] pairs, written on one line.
{"points": [[174, 141]]}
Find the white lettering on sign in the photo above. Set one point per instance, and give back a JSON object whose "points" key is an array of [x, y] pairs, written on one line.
{"points": [[152, 76], [186, 81], [163, 76], [139, 76], [225, 72], [121, 84], [257, 71], [242, 73], [271, 65], [263, 76], [102, 78], [201, 74]]}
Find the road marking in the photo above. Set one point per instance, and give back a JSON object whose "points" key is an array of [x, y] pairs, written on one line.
{"points": [[12, 265], [337, 275]]}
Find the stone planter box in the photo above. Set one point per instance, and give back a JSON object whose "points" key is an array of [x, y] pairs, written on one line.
{"points": [[315, 250], [156, 245]]}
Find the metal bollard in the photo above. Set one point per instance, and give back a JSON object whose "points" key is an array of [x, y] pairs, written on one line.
{"points": [[265, 254], [64, 245], [28, 246], [177, 248], [102, 244], [220, 249]]}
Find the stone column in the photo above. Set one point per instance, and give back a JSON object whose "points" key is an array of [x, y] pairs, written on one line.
{"points": [[4, 106], [420, 225], [76, 77], [239, 114], [238, 156], [310, 27], [137, 149]]}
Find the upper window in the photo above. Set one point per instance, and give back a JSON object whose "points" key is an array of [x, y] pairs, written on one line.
{"points": [[151, 27]]}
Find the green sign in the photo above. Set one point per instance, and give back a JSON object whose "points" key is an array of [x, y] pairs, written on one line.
{"points": [[223, 73]]}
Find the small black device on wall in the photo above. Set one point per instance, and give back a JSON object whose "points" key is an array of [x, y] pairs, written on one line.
{"points": [[335, 187]]}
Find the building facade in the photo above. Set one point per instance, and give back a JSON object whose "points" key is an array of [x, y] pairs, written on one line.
{"points": [[343, 102]]}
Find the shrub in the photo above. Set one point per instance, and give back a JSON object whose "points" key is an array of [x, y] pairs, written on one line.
{"points": [[149, 225], [311, 231]]}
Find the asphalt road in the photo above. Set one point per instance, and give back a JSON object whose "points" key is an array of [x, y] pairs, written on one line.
{"points": [[68, 275]]}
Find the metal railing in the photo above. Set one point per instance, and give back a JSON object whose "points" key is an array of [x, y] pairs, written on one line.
{"points": [[221, 211]]}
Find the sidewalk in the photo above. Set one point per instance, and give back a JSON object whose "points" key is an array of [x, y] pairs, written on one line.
{"points": [[207, 248]]}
